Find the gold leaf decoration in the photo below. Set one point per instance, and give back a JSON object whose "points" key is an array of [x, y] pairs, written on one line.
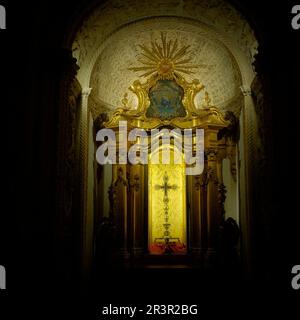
{"points": [[164, 60]]}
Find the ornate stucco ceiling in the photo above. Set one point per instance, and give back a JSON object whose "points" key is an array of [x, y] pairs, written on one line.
{"points": [[217, 69], [107, 45], [113, 14]]}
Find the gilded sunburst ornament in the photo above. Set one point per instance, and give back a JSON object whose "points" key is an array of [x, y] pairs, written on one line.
{"points": [[164, 59]]}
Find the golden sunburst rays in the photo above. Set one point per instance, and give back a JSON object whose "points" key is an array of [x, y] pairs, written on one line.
{"points": [[164, 59]]}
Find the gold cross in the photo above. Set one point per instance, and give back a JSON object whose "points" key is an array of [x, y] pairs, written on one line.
{"points": [[165, 186]]}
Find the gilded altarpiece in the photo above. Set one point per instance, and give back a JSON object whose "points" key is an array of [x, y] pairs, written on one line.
{"points": [[176, 223]]}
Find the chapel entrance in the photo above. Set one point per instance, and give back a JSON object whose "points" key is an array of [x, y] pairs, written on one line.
{"points": [[155, 71]]}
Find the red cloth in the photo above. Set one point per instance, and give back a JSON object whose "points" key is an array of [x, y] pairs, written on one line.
{"points": [[162, 248]]}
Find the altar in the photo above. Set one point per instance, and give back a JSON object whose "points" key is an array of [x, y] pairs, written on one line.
{"points": [[163, 208]]}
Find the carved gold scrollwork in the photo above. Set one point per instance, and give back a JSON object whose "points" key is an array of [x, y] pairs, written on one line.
{"points": [[136, 183], [211, 154], [166, 61], [211, 176], [112, 191], [221, 198], [194, 117], [111, 196], [231, 135], [120, 178]]}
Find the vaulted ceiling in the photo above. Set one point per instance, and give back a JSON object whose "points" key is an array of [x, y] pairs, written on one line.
{"points": [[222, 46]]}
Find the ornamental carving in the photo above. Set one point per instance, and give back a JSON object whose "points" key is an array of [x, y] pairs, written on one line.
{"points": [[166, 98], [120, 178], [122, 61], [136, 183]]}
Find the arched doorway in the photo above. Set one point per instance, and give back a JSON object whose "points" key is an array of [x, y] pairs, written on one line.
{"points": [[225, 59]]}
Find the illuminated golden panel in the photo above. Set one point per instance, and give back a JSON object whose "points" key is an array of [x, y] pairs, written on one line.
{"points": [[167, 181]]}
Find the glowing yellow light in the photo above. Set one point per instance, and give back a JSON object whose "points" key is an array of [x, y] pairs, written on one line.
{"points": [[167, 180]]}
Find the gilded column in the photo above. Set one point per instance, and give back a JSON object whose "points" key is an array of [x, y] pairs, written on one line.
{"points": [[137, 208], [120, 209], [196, 216], [212, 204], [221, 187], [203, 186]]}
